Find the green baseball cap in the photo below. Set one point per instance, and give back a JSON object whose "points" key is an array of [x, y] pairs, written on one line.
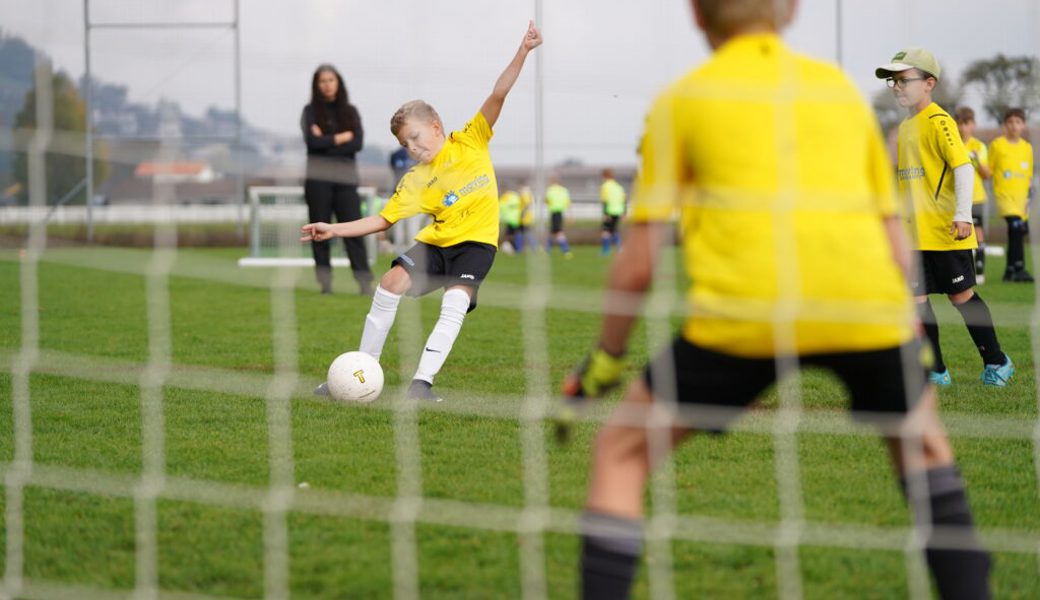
{"points": [[911, 58]]}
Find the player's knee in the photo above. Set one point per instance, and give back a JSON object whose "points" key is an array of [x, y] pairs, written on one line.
{"points": [[616, 444], [961, 297], [396, 280]]}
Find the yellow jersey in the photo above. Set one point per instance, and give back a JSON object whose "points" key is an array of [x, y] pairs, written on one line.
{"points": [[776, 167], [979, 155], [457, 188], [1012, 166], [558, 198], [526, 210], [510, 208], [612, 195], [930, 148]]}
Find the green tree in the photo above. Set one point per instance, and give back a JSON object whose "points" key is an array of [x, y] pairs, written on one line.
{"points": [[1005, 82], [65, 168]]}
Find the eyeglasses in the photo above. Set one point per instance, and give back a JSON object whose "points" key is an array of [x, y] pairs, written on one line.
{"points": [[892, 82]]}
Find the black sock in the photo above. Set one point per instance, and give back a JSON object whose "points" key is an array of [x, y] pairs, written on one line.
{"points": [[931, 331], [980, 259], [610, 550], [980, 325], [963, 571], [1016, 247]]}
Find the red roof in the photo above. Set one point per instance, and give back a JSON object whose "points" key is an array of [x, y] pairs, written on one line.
{"points": [[151, 169]]}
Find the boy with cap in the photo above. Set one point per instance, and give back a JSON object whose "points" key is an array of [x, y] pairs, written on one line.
{"points": [[937, 179]]}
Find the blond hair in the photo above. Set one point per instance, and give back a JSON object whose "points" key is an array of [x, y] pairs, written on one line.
{"points": [[415, 109], [727, 17]]}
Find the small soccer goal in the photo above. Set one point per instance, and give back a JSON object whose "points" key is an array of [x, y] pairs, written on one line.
{"points": [[276, 214]]}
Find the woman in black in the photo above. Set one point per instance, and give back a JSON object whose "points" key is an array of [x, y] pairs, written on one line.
{"points": [[332, 130]]}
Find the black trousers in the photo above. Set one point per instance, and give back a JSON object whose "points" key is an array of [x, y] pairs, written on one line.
{"points": [[325, 199]]}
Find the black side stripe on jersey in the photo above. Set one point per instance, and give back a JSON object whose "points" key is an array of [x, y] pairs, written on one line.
{"points": [[938, 188]]}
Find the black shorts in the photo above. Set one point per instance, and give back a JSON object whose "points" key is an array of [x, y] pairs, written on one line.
{"points": [[977, 211], [944, 272], [555, 222], [713, 388], [432, 267], [610, 223]]}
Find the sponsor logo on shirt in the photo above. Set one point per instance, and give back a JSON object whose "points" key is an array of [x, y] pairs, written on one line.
{"points": [[910, 173], [450, 198], [476, 184]]}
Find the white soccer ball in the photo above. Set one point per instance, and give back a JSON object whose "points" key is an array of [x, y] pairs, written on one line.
{"points": [[355, 377]]}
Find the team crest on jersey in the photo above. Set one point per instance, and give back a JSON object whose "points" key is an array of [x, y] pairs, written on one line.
{"points": [[450, 198]]}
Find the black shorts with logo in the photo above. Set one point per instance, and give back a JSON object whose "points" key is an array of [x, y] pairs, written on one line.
{"points": [[432, 267], [610, 223], [555, 222], [713, 387], [944, 272]]}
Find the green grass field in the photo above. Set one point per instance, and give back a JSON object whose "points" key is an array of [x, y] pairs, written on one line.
{"points": [[88, 452]]}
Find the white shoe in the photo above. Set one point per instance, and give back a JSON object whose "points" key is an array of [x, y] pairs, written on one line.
{"points": [[322, 390], [980, 279]]}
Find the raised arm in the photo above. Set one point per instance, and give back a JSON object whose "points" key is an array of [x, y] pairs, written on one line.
{"points": [[493, 105]]}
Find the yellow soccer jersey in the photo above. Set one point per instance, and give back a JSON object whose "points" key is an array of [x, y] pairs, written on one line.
{"points": [[776, 167], [930, 148], [979, 155], [458, 189], [613, 197], [1012, 166], [527, 211], [558, 198]]}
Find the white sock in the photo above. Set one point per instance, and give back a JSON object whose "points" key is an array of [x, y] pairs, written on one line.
{"points": [[378, 322], [438, 345]]}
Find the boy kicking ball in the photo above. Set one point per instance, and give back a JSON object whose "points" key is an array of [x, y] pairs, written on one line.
{"points": [[455, 184]]}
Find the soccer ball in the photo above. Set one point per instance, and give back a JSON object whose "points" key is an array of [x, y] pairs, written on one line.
{"points": [[355, 377]]}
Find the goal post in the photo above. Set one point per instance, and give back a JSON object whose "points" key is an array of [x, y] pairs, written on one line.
{"points": [[276, 214]]}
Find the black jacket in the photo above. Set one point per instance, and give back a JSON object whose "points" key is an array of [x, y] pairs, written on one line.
{"points": [[325, 160]]}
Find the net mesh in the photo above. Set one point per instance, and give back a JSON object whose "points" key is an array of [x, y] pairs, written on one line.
{"points": [[534, 308]]}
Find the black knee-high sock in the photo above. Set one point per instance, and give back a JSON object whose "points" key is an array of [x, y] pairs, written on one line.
{"points": [[958, 562], [977, 317], [931, 330], [610, 550], [980, 259], [1016, 244]]}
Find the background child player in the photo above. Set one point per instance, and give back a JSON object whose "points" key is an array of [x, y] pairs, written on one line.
{"points": [[511, 214], [612, 195], [454, 183], [936, 175], [558, 200], [1011, 159], [979, 155], [754, 220]]}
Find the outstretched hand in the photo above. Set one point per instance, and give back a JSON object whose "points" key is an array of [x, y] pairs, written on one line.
{"points": [[316, 232], [533, 37]]}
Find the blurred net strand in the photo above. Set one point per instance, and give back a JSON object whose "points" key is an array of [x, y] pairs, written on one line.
{"points": [[17, 476], [823, 421], [409, 501], [508, 519], [786, 460], [282, 483], [152, 382]]}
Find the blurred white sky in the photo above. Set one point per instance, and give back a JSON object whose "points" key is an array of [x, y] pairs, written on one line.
{"points": [[603, 60]]}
